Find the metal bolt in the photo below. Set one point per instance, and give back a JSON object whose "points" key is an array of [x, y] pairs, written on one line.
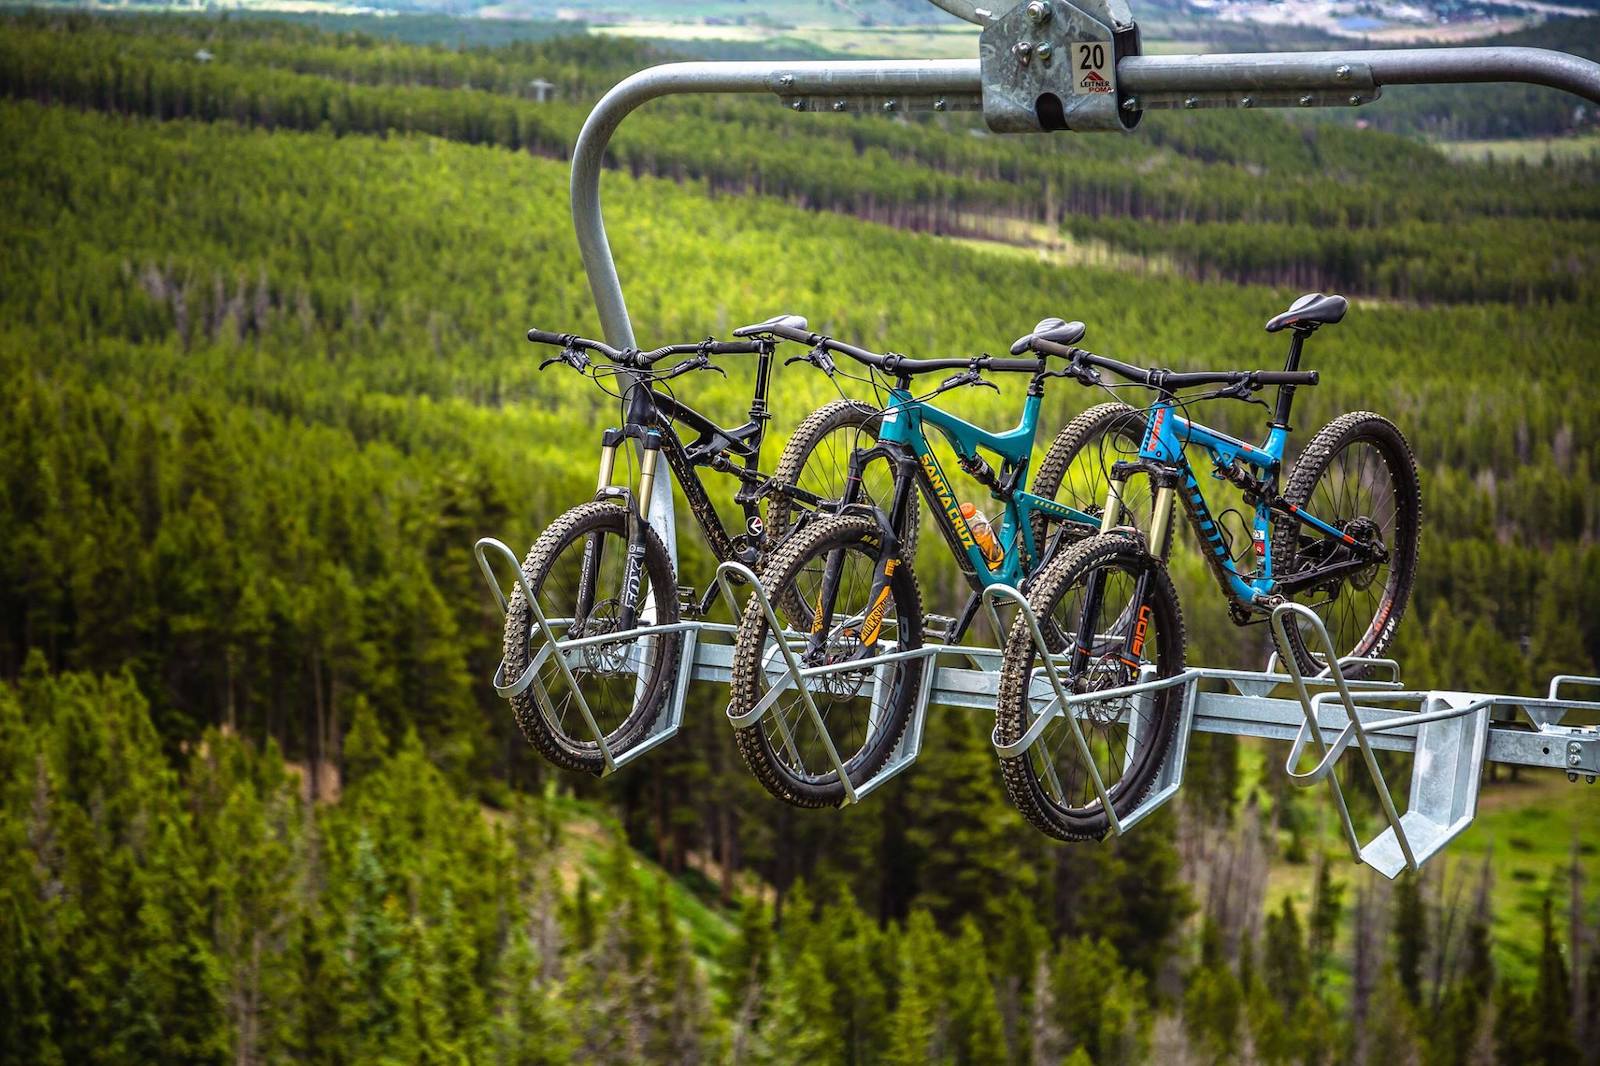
{"points": [[786, 80], [1571, 776], [1305, 101], [840, 105], [1191, 102], [1573, 760], [799, 105], [1131, 104], [1248, 101], [939, 104], [1355, 100], [1038, 11], [1589, 778], [1044, 52], [1023, 51], [888, 105], [1342, 72]]}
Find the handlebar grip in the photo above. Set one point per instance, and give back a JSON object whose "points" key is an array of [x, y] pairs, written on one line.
{"points": [[544, 336], [1286, 377], [734, 348]]}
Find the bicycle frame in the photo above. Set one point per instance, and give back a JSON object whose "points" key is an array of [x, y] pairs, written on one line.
{"points": [[653, 419], [1163, 455], [903, 439], [902, 442]]}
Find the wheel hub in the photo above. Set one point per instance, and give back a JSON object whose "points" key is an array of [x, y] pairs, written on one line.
{"points": [[604, 658], [1104, 674], [1366, 532], [843, 645]]}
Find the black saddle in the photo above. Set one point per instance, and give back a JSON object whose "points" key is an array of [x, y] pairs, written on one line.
{"points": [[1053, 330], [1310, 311], [792, 321]]}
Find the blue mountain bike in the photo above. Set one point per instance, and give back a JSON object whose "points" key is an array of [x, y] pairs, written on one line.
{"points": [[1341, 537], [850, 573]]}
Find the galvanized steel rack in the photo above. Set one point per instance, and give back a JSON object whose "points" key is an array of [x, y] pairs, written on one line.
{"points": [[1059, 65]]}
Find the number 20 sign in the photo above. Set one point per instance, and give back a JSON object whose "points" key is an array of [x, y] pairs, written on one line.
{"points": [[1091, 72]]}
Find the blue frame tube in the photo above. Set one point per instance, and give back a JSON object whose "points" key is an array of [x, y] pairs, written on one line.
{"points": [[1167, 438]]}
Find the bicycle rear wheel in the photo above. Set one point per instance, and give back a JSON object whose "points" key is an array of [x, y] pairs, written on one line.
{"points": [[1076, 469], [863, 712], [1358, 475], [817, 459], [1051, 782], [624, 683]]}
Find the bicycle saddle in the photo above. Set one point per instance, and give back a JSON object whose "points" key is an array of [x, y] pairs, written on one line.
{"points": [[792, 321], [1050, 329], [1310, 311]]}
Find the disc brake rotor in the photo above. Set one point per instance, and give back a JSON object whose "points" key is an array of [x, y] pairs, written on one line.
{"points": [[844, 684], [1105, 673], [1366, 532]]}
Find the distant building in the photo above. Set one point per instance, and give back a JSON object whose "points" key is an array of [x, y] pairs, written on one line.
{"points": [[203, 56], [542, 90]]}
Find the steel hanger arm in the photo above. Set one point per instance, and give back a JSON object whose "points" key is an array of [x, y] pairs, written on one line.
{"points": [[1329, 70]]}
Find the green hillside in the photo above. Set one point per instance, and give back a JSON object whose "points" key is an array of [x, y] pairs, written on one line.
{"points": [[260, 325]]}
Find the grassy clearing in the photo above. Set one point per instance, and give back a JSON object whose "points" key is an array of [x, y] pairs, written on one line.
{"points": [[1535, 151], [587, 841], [1526, 829], [959, 41]]}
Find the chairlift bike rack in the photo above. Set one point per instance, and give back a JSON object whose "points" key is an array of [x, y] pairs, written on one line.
{"points": [[1026, 79]]}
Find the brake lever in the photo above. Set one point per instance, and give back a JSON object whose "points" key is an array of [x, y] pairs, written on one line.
{"points": [[571, 356], [817, 357]]}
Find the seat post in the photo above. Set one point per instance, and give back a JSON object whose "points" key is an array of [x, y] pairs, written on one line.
{"points": [[1280, 416]]}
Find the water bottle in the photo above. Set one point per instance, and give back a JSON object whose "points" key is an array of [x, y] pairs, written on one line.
{"points": [[983, 534]]}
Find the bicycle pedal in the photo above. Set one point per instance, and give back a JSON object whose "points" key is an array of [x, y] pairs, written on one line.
{"points": [[939, 627], [688, 602]]}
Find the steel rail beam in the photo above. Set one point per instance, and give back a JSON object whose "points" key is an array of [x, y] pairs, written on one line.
{"points": [[1322, 70]]}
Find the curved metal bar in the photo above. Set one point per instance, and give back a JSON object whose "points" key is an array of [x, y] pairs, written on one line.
{"points": [[1322, 70], [1258, 70], [930, 76]]}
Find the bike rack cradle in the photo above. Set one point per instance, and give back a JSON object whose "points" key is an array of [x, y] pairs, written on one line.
{"points": [[1027, 77], [1450, 735]]}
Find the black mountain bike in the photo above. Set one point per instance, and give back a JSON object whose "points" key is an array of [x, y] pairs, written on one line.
{"points": [[601, 576]]}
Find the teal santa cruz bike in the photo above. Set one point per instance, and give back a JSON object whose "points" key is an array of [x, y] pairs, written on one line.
{"points": [[855, 617]]}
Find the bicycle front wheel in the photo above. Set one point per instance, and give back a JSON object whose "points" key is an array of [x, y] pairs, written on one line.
{"points": [[863, 712], [577, 571], [1085, 598]]}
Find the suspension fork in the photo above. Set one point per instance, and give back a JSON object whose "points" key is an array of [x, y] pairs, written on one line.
{"points": [[887, 562], [633, 571], [594, 543], [1136, 621]]}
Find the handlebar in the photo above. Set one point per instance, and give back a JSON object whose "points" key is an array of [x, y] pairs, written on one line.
{"points": [[892, 362], [1172, 380], [639, 360]]}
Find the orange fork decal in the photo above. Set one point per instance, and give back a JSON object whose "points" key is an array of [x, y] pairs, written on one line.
{"points": [[873, 623], [1140, 629]]}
